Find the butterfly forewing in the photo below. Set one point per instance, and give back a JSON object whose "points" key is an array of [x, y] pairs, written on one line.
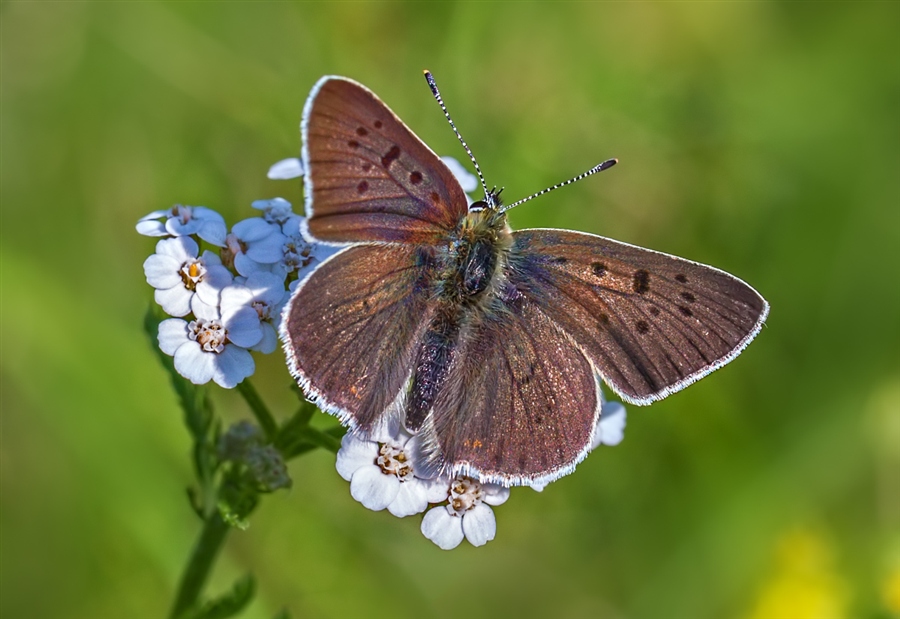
{"points": [[352, 328], [521, 401], [368, 177], [652, 323]]}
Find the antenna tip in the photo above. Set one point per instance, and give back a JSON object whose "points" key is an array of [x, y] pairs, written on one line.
{"points": [[607, 164]]}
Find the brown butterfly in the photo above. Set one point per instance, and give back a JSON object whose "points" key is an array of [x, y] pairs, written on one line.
{"points": [[488, 341]]}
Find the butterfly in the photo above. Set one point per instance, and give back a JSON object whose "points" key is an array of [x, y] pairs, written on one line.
{"points": [[489, 342]]}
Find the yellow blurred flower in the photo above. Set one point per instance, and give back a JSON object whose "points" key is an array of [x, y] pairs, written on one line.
{"points": [[804, 584]]}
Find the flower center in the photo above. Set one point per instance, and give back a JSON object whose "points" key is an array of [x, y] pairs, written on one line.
{"points": [[192, 273], [277, 214], [210, 334], [394, 461], [233, 247], [263, 310], [296, 254], [184, 213], [465, 493]]}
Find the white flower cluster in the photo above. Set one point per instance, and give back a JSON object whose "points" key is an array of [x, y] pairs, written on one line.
{"points": [[227, 297], [382, 473]]}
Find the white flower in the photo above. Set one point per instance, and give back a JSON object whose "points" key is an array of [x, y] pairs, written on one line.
{"points": [[183, 221], [466, 514], [265, 293], [467, 180], [611, 428], [253, 245], [279, 211], [209, 347], [299, 256], [178, 275], [382, 473], [285, 169]]}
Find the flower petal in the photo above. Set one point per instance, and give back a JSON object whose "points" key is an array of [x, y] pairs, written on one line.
{"points": [[441, 528], [495, 494], [611, 428], [269, 341], [151, 228], [286, 169], [181, 248], [467, 180], [232, 365], [479, 525], [243, 327], [355, 453], [172, 334], [374, 489], [194, 364], [175, 301], [254, 229], [162, 271], [213, 232], [411, 499]]}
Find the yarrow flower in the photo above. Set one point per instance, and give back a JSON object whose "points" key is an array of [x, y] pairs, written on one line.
{"points": [[467, 514], [265, 294], [210, 347], [382, 473], [178, 273], [183, 221]]}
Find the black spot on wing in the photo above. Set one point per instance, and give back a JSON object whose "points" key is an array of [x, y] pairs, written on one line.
{"points": [[641, 283], [390, 156]]}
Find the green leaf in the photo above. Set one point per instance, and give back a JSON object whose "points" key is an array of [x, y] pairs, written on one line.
{"points": [[282, 614], [228, 604]]}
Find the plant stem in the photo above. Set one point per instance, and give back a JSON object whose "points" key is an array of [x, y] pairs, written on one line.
{"points": [[259, 409], [202, 558]]}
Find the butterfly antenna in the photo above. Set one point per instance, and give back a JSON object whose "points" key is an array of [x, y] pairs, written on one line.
{"points": [[597, 168], [488, 196]]}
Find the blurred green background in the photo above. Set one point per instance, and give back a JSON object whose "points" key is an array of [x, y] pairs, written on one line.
{"points": [[763, 138]]}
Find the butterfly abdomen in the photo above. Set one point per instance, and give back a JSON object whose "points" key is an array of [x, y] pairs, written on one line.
{"points": [[432, 363]]}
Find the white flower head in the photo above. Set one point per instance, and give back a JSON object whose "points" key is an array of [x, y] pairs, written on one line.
{"points": [[253, 245], [265, 294], [279, 211], [467, 514], [298, 255], [382, 474], [178, 274], [286, 169], [183, 220], [211, 347]]}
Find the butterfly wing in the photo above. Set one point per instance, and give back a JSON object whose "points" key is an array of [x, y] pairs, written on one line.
{"points": [[368, 177], [351, 329], [520, 403], [651, 323]]}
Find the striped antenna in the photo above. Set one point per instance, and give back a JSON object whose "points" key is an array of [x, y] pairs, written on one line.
{"points": [[488, 196], [598, 168]]}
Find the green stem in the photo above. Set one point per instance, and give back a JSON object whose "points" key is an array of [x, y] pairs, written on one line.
{"points": [[259, 409], [202, 558]]}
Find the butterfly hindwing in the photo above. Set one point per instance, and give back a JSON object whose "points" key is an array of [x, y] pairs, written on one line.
{"points": [[520, 403], [368, 177], [352, 328], [652, 323]]}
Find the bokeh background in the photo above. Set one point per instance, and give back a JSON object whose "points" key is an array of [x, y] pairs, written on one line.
{"points": [[761, 137]]}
